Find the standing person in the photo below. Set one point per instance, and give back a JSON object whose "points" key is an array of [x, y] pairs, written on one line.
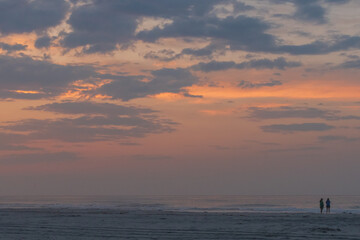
{"points": [[328, 205], [321, 205]]}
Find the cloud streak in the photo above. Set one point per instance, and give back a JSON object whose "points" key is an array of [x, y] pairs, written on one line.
{"points": [[278, 63], [298, 112], [39, 158], [97, 122], [297, 127]]}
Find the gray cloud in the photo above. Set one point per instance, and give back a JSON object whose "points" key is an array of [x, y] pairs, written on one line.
{"points": [[219, 147], [43, 42], [242, 33], [331, 138], [302, 127], [297, 112], [249, 33], [17, 148], [309, 11], [25, 73], [162, 55], [167, 55], [262, 143], [144, 157], [13, 142], [313, 11], [206, 51], [337, 1], [97, 122], [104, 26], [29, 15], [247, 84], [340, 43], [38, 157], [12, 47], [91, 108], [278, 63], [101, 26], [163, 80], [350, 64], [49, 80], [296, 149]]}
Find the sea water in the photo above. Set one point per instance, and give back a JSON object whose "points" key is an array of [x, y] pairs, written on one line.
{"points": [[262, 204]]}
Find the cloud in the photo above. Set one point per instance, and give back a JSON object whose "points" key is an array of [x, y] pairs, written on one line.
{"points": [[12, 47], [296, 149], [350, 64], [262, 143], [249, 33], [17, 148], [297, 112], [337, 1], [302, 127], [43, 42], [144, 157], [163, 80], [240, 6], [44, 78], [331, 138], [100, 26], [219, 147], [22, 16], [339, 43], [13, 142], [278, 63], [309, 11], [312, 11], [26, 78], [162, 55], [246, 84], [38, 158], [91, 108], [104, 26], [206, 51], [90, 122], [241, 32]]}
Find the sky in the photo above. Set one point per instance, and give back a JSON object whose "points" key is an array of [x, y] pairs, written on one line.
{"points": [[179, 97]]}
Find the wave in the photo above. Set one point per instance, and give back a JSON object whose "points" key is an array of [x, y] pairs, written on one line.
{"points": [[246, 208], [186, 204]]}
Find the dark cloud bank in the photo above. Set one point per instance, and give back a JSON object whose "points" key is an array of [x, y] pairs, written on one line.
{"points": [[50, 80], [101, 26]]}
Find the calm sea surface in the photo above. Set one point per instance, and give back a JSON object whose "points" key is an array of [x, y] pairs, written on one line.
{"points": [[309, 203]]}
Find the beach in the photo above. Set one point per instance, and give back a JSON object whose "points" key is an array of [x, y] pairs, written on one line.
{"points": [[76, 223]]}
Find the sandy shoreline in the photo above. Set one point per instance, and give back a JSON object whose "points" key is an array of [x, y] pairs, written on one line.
{"points": [[116, 224]]}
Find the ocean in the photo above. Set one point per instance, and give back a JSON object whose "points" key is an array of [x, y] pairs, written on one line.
{"points": [[177, 217], [255, 204]]}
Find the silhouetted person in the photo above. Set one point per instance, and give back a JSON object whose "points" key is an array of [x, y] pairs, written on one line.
{"points": [[328, 205], [321, 205]]}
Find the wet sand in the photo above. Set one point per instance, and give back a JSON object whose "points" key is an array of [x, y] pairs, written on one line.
{"points": [[116, 224]]}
